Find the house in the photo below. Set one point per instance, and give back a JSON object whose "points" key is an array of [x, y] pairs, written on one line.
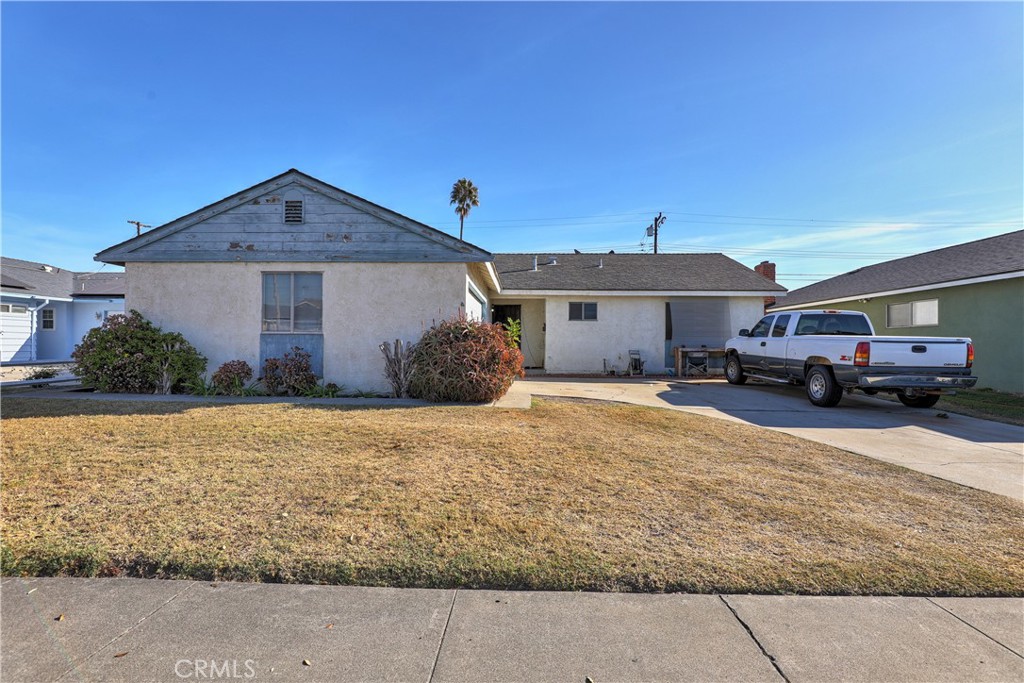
{"points": [[975, 289], [294, 261], [583, 313], [45, 310]]}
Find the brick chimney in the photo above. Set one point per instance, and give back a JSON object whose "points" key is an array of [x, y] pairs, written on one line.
{"points": [[766, 269]]}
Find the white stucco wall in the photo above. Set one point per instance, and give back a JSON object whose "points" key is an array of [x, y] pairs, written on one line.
{"points": [[217, 307], [744, 312], [623, 323]]}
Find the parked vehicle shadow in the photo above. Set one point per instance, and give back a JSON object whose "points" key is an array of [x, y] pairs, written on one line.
{"points": [[786, 407]]}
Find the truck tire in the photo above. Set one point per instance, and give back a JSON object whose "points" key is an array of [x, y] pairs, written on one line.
{"points": [[926, 401], [822, 388], [734, 371]]}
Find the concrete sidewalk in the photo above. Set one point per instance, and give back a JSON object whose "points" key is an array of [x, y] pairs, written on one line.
{"points": [[151, 630]]}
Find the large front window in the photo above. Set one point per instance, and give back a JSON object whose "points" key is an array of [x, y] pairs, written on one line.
{"points": [[293, 302]]}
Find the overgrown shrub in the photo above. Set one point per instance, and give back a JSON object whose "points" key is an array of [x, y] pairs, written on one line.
{"points": [[292, 374], [464, 360], [232, 377], [129, 354], [43, 373]]}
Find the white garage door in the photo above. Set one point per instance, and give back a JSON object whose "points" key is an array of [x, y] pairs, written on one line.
{"points": [[15, 333]]}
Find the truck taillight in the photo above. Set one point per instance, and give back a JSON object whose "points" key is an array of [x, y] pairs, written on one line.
{"points": [[970, 354], [862, 356]]}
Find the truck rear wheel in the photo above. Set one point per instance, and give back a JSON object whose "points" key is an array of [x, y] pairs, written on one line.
{"points": [[734, 371], [822, 388], [926, 401]]}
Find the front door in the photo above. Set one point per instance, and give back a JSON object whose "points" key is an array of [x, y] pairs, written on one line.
{"points": [[502, 312]]}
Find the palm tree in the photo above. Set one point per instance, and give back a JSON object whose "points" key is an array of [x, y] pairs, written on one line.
{"points": [[465, 197]]}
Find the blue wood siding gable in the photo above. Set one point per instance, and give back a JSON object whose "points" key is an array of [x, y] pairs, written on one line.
{"points": [[332, 226]]}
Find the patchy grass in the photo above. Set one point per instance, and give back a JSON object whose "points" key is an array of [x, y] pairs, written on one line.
{"points": [[564, 496], [987, 404]]}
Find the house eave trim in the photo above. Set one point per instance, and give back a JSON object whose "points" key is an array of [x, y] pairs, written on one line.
{"points": [[907, 290], [636, 292]]}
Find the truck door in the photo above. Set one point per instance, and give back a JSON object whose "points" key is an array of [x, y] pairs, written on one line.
{"points": [[775, 347], [753, 347]]}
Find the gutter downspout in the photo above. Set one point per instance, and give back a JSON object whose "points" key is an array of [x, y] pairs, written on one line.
{"points": [[34, 352]]}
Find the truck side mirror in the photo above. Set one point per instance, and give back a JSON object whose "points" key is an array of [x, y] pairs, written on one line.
{"points": [[744, 332]]}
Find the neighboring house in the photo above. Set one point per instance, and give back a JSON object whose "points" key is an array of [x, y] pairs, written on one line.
{"points": [[294, 261], [583, 313], [972, 290], [45, 311]]}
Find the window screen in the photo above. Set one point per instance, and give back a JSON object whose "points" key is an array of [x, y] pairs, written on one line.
{"points": [[292, 302], [579, 310], [912, 314]]}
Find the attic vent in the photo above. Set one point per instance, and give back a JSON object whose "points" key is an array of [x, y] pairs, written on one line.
{"points": [[293, 211]]}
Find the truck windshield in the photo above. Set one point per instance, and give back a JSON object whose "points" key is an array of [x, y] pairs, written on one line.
{"points": [[833, 323]]}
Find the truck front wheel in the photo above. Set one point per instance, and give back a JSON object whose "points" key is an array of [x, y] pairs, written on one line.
{"points": [[734, 371], [822, 388], [925, 401]]}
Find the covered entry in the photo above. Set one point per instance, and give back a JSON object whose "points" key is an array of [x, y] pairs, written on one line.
{"points": [[531, 315]]}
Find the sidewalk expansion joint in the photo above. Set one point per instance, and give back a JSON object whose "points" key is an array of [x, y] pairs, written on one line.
{"points": [[128, 630], [444, 632], [958, 618], [750, 632]]}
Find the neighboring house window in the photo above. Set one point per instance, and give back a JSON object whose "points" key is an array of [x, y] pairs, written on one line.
{"points": [[912, 314], [583, 310], [292, 302], [13, 308], [48, 319], [5, 308]]}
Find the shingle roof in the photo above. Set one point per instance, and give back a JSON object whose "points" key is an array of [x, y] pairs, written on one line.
{"points": [[43, 280], [629, 272], [990, 256], [99, 284]]}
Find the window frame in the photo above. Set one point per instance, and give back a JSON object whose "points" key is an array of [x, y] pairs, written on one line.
{"points": [[768, 320], [291, 286], [913, 314], [788, 318], [52, 320], [583, 311]]}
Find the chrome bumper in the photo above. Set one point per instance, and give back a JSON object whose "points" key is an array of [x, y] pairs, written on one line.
{"points": [[916, 382]]}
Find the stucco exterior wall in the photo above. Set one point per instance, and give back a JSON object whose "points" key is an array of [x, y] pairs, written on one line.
{"points": [[217, 306], [623, 323], [990, 313]]}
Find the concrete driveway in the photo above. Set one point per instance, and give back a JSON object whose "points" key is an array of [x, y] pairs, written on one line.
{"points": [[978, 453]]}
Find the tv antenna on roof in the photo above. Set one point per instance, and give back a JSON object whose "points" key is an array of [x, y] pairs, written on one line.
{"points": [[139, 225]]}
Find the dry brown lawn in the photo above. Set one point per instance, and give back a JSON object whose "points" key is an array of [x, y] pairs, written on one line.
{"points": [[564, 496]]}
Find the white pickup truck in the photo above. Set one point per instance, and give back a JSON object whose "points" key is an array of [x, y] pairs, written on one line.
{"points": [[835, 351]]}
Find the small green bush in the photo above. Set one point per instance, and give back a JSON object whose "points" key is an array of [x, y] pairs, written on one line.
{"points": [[464, 360], [232, 378], [129, 354], [43, 373]]}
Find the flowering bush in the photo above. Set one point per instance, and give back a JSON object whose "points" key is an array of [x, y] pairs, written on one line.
{"points": [[129, 354], [292, 374], [232, 377], [464, 360]]}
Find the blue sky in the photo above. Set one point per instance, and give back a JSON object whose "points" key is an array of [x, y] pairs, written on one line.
{"points": [[821, 136]]}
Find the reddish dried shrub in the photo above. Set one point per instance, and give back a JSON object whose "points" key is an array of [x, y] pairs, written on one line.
{"points": [[464, 360], [232, 377]]}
